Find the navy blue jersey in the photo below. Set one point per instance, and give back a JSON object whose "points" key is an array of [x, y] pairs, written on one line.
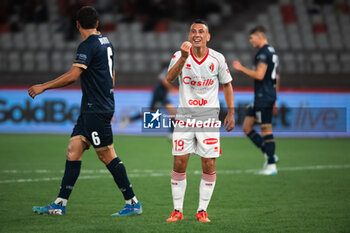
{"points": [[96, 56], [265, 90]]}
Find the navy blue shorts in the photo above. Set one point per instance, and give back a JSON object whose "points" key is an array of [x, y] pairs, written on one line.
{"points": [[96, 128], [263, 115]]}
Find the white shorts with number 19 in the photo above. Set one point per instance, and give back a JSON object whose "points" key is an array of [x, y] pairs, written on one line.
{"points": [[197, 141]]}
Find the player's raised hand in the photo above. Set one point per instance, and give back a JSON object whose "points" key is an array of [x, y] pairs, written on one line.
{"points": [[237, 65], [35, 90], [229, 122], [185, 49]]}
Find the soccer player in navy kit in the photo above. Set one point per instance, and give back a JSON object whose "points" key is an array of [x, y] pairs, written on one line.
{"points": [[94, 64], [265, 77], [159, 100]]}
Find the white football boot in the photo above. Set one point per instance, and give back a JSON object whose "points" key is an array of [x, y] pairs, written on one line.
{"points": [[270, 169]]}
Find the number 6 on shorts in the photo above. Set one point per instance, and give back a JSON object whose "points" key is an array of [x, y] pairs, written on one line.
{"points": [[95, 139]]}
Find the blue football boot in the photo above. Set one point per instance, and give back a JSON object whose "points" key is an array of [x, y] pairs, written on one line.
{"points": [[50, 209], [129, 210]]}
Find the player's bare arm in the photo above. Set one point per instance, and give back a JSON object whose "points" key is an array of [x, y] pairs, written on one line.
{"points": [[258, 74], [176, 70], [169, 86], [62, 81], [229, 121]]}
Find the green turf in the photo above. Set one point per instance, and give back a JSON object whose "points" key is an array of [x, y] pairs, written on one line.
{"points": [[304, 200]]}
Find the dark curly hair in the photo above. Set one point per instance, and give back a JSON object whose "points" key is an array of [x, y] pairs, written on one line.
{"points": [[87, 16]]}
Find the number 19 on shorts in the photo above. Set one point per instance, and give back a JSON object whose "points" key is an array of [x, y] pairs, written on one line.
{"points": [[179, 145]]}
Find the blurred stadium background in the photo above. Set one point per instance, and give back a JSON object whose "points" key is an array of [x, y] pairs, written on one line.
{"points": [[39, 38]]}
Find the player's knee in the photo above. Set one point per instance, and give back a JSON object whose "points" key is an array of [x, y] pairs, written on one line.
{"points": [[70, 154], [208, 165], [266, 129], [106, 155], [75, 150], [180, 165], [102, 158], [247, 128]]}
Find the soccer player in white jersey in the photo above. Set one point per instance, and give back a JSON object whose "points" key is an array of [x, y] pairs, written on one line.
{"points": [[199, 70]]}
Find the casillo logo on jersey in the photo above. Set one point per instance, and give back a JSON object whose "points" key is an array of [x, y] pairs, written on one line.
{"points": [[204, 83], [210, 141], [188, 66], [201, 102]]}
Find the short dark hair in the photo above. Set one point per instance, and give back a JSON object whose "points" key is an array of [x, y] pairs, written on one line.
{"points": [[87, 16], [259, 28], [200, 21]]}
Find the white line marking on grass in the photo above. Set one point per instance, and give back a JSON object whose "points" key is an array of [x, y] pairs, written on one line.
{"points": [[103, 173], [316, 167]]}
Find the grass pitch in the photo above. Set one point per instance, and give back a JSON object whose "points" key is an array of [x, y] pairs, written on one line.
{"points": [[311, 193]]}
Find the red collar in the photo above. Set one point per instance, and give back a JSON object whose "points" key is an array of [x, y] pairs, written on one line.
{"points": [[195, 59]]}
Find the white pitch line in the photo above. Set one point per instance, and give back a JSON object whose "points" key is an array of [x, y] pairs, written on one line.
{"points": [[43, 179], [149, 173]]}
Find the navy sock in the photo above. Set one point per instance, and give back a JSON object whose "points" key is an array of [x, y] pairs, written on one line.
{"points": [[70, 176], [256, 139], [117, 169], [269, 145]]}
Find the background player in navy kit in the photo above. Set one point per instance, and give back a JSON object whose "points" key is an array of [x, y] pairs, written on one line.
{"points": [[264, 75], [94, 63], [159, 99]]}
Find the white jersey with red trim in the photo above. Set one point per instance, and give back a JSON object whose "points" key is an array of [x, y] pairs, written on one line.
{"points": [[199, 80]]}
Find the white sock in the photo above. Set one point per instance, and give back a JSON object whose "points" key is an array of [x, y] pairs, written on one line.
{"points": [[61, 201], [206, 189], [271, 166], [178, 188], [132, 201]]}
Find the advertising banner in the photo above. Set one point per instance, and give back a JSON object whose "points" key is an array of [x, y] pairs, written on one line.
{"points": [[299, 114]]}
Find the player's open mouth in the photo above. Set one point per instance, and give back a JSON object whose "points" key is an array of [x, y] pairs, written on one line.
{"points": [[197, 41]]}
